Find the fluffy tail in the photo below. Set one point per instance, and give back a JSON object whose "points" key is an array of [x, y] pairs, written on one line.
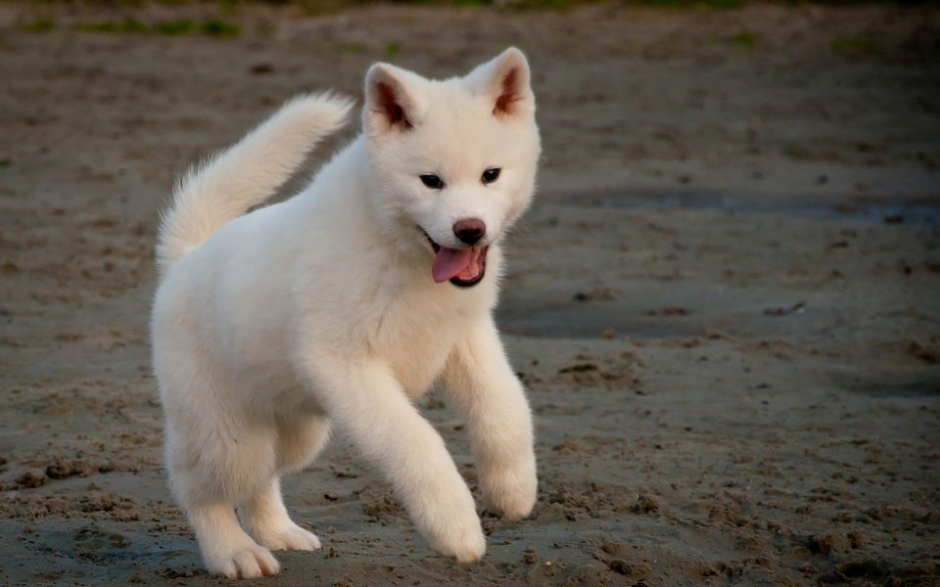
{"points": [[246, 174]]}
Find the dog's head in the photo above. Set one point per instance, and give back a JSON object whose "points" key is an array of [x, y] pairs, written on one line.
{"points": [[453, 161]]}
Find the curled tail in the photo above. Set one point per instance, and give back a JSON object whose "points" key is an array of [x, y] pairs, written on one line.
{"points": [[246, 174]]}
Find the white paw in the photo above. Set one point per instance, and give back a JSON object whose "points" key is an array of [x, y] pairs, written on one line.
{"points": [[249, 562], [511, 493], [289, 537], [458, 535], [467, 547]]}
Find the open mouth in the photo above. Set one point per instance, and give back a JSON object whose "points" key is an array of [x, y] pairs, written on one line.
{"points": [[462, 267]]}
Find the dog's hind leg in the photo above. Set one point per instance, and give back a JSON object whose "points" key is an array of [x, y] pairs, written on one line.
{"points": [[226, 548], [300, 439], [209, 480], [266, 518], [218, 455], [208, 488]]}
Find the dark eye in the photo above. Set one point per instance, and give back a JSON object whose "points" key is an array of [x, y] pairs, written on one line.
{"points": [[490, 175], [433, 182]]}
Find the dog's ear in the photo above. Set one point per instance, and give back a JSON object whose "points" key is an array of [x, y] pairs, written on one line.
{"points": [[393, 99], [505, 81]]}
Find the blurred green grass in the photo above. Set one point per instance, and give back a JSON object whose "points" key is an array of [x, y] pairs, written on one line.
{"points": [[39, 25], [859, 45], [745, 41], [333, 5], [128, 25], [185, 26]]}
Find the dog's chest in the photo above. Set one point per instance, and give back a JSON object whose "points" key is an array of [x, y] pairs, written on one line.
{"points": [[415, 339], [416, 366]]}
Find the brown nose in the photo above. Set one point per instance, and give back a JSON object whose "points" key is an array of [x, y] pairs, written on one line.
{"points": [[469, 230]]}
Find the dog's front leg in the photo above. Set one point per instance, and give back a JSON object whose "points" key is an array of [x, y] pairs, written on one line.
{"points": [[479, 378], [366, 402]]}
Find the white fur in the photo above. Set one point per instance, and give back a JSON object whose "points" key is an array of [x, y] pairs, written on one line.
{"points": [[269, 327]]}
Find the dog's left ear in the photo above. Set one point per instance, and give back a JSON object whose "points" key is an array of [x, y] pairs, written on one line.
{"points": [[505, 81]]}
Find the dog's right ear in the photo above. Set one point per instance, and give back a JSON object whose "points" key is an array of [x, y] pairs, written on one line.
{"points": [[505, 81], [393, 102]]}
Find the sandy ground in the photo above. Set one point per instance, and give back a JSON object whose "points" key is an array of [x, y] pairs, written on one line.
{"points": [[725, 304]]}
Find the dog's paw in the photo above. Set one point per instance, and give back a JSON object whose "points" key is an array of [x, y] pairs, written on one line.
{"points": [[249, 562], [511, 493], [288, 537], [467, 545]]}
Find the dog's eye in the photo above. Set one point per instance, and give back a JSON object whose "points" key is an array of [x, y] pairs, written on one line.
{"points": [[490, 175], [433, 182]]}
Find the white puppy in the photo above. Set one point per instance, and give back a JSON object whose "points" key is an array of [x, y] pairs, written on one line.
{"points": [[343, 305]]}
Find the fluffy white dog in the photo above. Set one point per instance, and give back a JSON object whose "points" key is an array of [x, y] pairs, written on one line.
{"points": [[344, 304]]}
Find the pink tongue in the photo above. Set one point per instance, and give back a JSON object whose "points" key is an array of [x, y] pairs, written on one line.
{"points": [[448, 263]]}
